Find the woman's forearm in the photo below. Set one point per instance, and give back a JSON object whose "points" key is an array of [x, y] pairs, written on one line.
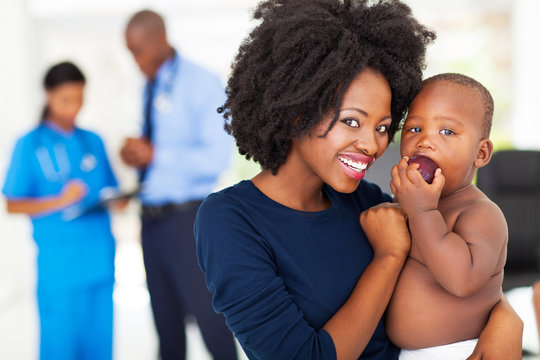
{"points": [[35, 206], [353, 325], [71, 192]]}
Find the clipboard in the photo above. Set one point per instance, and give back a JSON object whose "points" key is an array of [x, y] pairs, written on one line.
{"points": [[107, 197]]}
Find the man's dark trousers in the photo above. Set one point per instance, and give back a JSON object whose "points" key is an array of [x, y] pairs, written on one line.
{"points": [[176, 283]]}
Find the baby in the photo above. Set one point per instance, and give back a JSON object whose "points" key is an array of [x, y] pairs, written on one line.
{"points": [[454, 272]]}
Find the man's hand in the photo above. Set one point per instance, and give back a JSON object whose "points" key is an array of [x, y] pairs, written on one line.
{"points": [[137, 152]]}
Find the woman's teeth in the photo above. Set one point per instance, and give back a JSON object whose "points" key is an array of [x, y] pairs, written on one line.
{"points": [[355, 165]]}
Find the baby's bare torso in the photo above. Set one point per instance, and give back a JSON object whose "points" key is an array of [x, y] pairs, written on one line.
{"points": [[422, 314]]}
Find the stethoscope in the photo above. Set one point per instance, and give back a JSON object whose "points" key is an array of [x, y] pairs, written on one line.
{"points": [[59, 155], [162, 102]]}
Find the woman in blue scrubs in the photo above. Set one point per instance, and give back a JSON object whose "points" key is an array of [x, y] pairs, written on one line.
{"points": [[56, 169]]}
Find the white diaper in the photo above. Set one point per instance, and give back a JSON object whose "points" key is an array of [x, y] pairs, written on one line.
{"points": [[455, 351]]}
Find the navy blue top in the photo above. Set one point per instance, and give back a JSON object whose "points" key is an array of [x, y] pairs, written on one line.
{"points": [[278, 274]]}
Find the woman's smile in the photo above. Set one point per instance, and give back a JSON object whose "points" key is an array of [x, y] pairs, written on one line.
{"points": [[355, 165]]}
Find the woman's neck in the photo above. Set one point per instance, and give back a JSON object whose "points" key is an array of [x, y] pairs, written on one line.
{"points": [[295, 189], [63, 125]]}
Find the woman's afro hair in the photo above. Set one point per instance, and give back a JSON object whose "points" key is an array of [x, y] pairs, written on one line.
{"points": [[295, 65]]}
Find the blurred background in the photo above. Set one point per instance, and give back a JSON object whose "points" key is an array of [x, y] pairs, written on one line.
{"points": [[494, 41]]}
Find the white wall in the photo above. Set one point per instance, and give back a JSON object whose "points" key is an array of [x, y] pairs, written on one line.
{"points": [[37, 33], [526, 69]]}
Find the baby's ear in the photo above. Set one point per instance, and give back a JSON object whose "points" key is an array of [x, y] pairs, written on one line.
{"points": [[484, 153]]}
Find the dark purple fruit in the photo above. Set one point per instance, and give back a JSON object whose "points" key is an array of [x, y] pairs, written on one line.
{"points": [[426, 167]]}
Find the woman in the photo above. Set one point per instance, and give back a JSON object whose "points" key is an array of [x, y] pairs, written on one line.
{"points": [[56, 169], [316, 93]]}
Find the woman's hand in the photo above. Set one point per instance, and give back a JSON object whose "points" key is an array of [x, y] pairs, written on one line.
{"points": [[72, 192], [352, 326], [385, 226], [501, 339]]}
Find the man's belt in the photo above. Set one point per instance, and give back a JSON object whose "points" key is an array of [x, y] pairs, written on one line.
{"points": [[153, 212]]}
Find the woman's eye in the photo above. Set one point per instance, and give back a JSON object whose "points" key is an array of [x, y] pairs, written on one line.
{"points": [[446, 132], [351, 122], [382, 129]]}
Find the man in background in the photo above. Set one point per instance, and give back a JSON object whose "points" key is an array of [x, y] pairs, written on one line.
{"points": [[180, 155]]}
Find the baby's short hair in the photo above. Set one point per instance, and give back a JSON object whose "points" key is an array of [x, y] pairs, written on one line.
{"points": [[467, 81]]}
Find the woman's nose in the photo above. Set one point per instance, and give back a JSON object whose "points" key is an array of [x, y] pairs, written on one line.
{"points": [[367, 144]]}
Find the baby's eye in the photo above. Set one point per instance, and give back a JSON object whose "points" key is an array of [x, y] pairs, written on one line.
{"points": [[351, 122], [383, 129], [415, 129], [446, 132]]}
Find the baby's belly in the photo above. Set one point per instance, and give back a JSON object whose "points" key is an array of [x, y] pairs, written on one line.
{"points": [[422, 314]]}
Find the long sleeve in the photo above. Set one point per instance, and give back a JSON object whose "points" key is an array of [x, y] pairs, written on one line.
{"points": [[242, 275], [278, 274]]}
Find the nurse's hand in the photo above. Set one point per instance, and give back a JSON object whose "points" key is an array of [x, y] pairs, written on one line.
{"points": [[137, 152], [72, 192]]}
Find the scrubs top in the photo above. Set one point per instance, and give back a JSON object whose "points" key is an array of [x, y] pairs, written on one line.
{"points": [[71, 252]]}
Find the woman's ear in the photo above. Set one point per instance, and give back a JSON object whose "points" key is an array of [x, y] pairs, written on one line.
{"points": [[484, 153]]}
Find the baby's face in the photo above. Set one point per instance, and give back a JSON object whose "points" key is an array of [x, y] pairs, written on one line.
{"points": [[444, 123]]}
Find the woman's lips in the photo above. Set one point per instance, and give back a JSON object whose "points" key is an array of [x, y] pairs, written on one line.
{"points": [[354, 165]]}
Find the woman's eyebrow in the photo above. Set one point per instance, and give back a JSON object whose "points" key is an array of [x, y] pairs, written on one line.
{"points": [[363, 112], [357, 110]]}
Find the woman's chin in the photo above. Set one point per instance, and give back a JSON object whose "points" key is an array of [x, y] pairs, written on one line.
{"points": [[347, 186]]}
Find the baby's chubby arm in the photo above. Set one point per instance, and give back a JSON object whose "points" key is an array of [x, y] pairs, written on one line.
{"points": [[461, 259]]}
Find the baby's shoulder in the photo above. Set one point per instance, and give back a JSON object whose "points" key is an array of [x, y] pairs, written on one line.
{"points": [[471, 205], [479, 205], [477, 212]]}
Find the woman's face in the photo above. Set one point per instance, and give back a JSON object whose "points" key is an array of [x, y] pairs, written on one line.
{"points": [[359, 136], [64, 103]]}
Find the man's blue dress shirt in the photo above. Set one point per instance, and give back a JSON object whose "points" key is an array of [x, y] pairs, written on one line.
{"points": [[191, 148]]}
